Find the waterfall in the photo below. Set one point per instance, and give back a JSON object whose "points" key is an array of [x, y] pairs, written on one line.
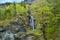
{"points": [[31, 22]]}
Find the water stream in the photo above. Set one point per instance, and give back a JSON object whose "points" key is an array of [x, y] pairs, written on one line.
{"points": [[31, 22]]}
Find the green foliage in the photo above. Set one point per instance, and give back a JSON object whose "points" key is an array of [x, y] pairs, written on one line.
{"points": [[51, 16]]}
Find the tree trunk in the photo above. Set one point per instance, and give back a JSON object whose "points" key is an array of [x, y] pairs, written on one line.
{"points": [[44, 31]]}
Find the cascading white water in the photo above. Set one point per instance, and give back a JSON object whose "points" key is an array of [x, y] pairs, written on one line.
{"points": [[31, 22]]}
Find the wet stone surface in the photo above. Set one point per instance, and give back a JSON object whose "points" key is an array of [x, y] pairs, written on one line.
{"points": [[19, 33]]}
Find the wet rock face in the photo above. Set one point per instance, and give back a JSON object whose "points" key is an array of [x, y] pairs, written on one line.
{"points": [[6, 35], [18, 34], [15, 34], [18, 27]]}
